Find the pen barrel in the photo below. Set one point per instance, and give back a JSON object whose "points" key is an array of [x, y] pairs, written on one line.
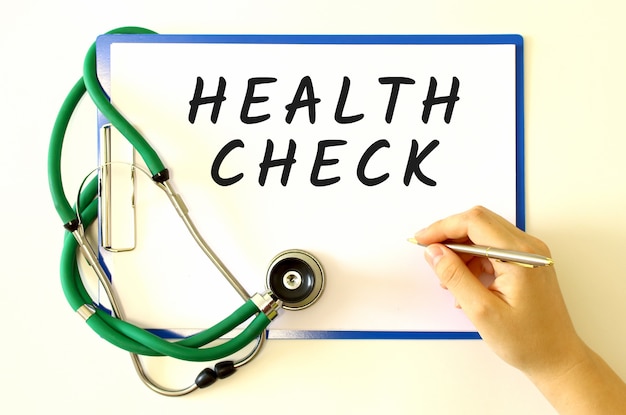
{"points": [[504, 255]]}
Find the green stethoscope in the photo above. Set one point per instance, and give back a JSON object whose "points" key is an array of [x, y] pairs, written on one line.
{"points": [[295, 279]]}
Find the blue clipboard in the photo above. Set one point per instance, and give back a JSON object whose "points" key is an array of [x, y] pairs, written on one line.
{"points": [[342, 145]]}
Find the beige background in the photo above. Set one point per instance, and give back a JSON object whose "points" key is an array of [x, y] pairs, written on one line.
{"points": [[576, 199]]}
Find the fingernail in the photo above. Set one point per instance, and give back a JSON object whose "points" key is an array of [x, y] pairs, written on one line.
{"points": [[433, 254]]}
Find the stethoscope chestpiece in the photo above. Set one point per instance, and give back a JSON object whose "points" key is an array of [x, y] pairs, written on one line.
{"points": [[296, 278]]}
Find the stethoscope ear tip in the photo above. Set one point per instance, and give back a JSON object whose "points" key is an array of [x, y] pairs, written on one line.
{"points": [[296, 278]]}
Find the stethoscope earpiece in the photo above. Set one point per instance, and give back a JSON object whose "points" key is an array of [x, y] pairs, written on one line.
{"points": [[296, 278]]}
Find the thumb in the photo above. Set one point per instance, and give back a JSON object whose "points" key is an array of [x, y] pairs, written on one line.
{"points": [[454, 275]]}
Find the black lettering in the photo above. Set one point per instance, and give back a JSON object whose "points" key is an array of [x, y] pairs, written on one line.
{"points": [[287, 162], [415, 159], [215, 168], [251, 99], [449, 100], [395, 82], [360, 171], [321, 161], [298, 102], [198, 100], [341, 104]]}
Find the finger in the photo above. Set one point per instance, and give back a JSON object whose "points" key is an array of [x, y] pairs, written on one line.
{"points": [[470, 294], [480, 266]]}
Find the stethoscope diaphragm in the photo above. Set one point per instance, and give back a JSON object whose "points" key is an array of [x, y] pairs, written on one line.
{"points": [[296, 277]]}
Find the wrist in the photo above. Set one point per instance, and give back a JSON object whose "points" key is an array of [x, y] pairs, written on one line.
{"points": [[564, 358], [580, 383]]}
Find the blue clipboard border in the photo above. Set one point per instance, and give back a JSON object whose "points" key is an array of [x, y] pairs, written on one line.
{"points": [[103, 47]]}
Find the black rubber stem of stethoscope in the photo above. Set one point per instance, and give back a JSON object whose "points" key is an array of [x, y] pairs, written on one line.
{"points": [[162, 176], [72, 225]]}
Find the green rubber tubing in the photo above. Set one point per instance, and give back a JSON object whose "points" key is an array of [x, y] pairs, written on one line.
{"points": [[137, 340], [118, 332], [101, 100], [90, 83]]}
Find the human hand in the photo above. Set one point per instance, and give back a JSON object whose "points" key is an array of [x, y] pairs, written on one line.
{"points": [[521, 313], [518, 311]]}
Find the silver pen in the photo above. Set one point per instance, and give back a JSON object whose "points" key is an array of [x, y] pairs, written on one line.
{"points": [[504, 255]]}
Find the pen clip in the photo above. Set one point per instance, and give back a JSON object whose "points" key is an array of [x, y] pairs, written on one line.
{"points": [[521, 264], [518, 263]]}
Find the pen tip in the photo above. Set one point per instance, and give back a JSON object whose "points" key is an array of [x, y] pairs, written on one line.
{"points": [[412, 240]]}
